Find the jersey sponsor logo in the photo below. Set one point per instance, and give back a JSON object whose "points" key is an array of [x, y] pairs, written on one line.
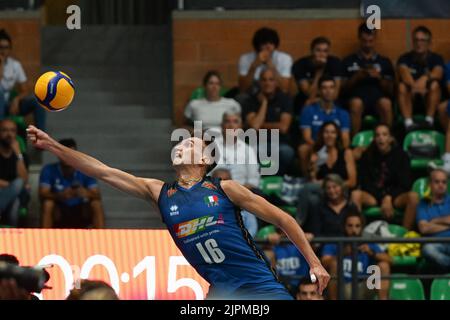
{"points": [[211, 201], [209, 185], [171, 192], [193, 226], [174, 210]]}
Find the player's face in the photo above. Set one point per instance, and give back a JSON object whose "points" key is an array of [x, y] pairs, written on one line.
{"points": [[438, 183], [333, 190], [353, 227], [268, 82], [327, 90], [8, 132], [421, 42], [330, 136], [5, 48], [367, 42], [188, 151], [383, 139], [308, 292], [320, 53], [213, 87]]}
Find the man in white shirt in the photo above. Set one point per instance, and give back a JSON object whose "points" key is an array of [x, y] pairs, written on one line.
{"points": [[13, 76], [265, 42]]}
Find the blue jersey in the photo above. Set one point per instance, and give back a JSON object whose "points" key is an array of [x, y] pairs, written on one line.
{"points": [[290, 263], [208, 229]]}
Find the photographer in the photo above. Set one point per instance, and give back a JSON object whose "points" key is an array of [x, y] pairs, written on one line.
{"points": [[13, 174], [69, 199]]}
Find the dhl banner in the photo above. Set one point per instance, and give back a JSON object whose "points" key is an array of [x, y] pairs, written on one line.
{"points": [[138, 264]]}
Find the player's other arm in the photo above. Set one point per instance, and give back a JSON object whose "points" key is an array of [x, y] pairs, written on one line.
{"points": [[253, 203], [147, 189]]}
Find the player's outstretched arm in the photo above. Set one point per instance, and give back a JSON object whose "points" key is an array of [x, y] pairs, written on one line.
{"points": [[253, 203], [148, 189]]}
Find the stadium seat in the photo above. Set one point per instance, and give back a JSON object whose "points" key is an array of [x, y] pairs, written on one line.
{"points": [[399, 232], [375, 212], [199, 93], [271, 185], [362, 139], [264, 232], [424, 137], [406, 289], [369, 121], [440, 289], [422, 188]]}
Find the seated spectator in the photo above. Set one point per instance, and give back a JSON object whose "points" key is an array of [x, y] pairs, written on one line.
{"points": [[327, 220], [13, 76], [368, 254], [329, 157], [369, 82], [308, 290], [210, 109], [272, 109], [314, 116], [420, 71], [13, 174], [433, 220], [444, 114], [308, 70], [250, 221], [93, 290], [265, 55], [385, 178], [69, 199]]}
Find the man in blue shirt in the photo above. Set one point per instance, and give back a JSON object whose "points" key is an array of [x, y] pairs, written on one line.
{"points": [[69, 198], [368, 254], [433, 219], [315, 115]]}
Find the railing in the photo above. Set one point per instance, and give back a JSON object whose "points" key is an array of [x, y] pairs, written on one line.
{"points": [[354, 242]]}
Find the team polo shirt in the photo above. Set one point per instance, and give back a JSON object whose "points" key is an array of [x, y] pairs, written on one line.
{"points": [[427, 211], [417, 67]]}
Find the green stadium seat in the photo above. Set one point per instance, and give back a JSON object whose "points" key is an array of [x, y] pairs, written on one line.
{"points": [[362, 139], [406, 289], [440, 289], [421, 187], [271, 185], [375, 212], [264, 232], [398, 231], [425, 136], [292, 210], [199, 93], [369, 121]]}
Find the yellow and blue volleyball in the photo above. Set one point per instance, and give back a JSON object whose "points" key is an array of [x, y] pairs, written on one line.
{"points": [[54, 91]]}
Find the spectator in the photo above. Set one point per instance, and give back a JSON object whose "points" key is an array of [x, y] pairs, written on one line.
{"points": [[329, 157], [444, 114], [12, 75], [250, 221], [315, 115], [420, 72], [308, 290], [93, 290], [272, 109], [210, 109], [69, 199], [265, 55], [328, 219], [13, 174], [368, 254], [385, 179], [433, 220], [308, 70], [370, 81]]}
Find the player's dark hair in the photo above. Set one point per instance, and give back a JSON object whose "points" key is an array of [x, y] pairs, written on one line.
{"points": [[364, 29], [325, 78], [5, 36], [263, 36], [9, 258], [69, 143], [209, 75], [423, 29], [319, 40]]}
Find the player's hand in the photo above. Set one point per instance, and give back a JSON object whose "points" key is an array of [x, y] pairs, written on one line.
{"points": [[39, 138], [321, 275]]}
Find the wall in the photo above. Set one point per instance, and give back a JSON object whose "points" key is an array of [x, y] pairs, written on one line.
{"points": [[208, 43]]}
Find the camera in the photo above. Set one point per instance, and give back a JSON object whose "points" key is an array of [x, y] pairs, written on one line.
{"points": [[29, 278]]}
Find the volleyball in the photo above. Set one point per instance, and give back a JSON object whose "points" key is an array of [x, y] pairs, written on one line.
{"points": [[54, 91]]}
